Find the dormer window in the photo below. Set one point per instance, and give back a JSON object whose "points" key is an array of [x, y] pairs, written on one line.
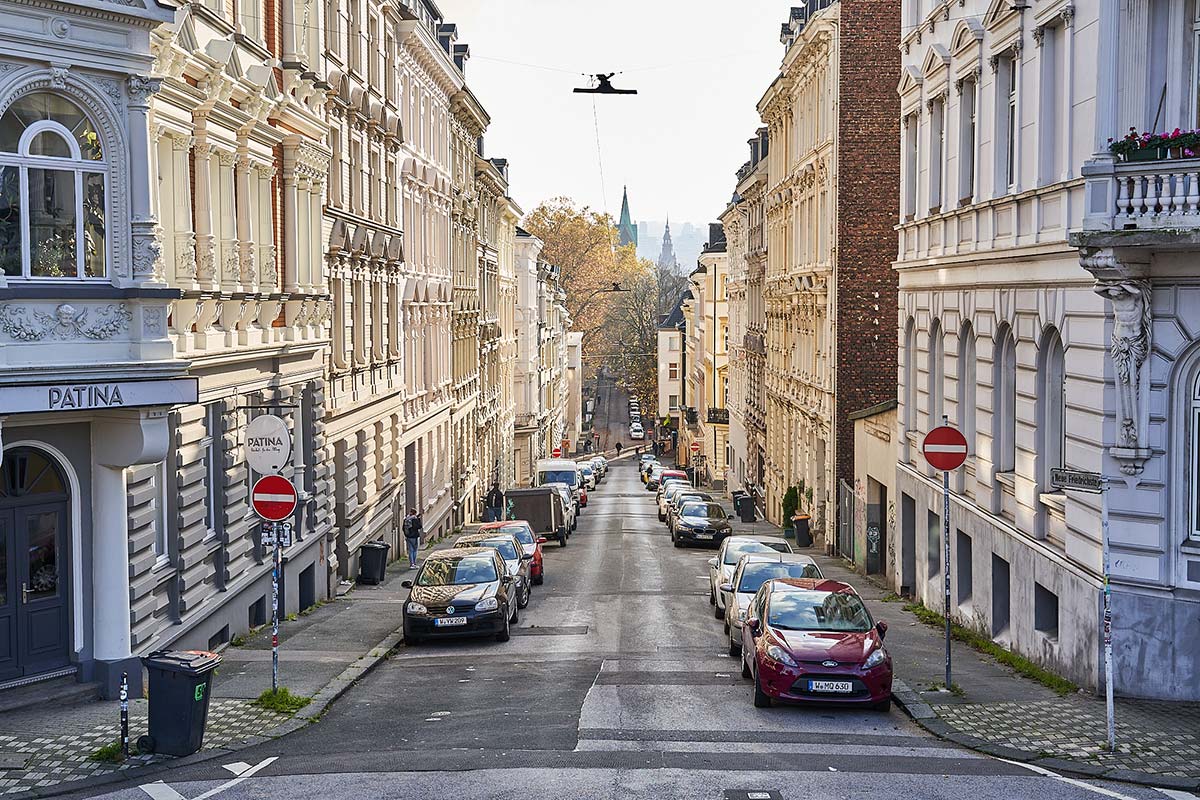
{"points": [[53, 204]]}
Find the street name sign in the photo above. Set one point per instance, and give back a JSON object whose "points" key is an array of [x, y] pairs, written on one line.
{"points": [[1077, 480], [273, 498], [945, 448], [268, 444]]}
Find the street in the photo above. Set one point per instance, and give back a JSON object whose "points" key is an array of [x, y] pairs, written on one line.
{"points": [[615, 684]]}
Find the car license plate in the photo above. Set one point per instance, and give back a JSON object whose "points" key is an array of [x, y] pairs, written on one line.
{"points": [[445, 622], [704, 535], [843, 687]]}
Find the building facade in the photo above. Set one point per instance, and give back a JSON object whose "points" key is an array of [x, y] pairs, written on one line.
{"points": [[491, 178], [706, 420], [828, 211], [1045, 311], [670, 360]]}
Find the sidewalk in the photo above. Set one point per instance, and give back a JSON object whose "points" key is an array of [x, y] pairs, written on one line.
{"points": [[321, 654], [999, 712]]}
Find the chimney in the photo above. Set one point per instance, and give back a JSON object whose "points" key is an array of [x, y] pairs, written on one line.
{"points": [[479, 147], [764, 146], [462, 52], [754, 151], [716, 234], [501, 165], [447, 35]]}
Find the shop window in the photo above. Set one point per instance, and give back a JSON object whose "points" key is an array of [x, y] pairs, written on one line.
{"points": [[1194, 460], [53, 203], [1045, 611]]}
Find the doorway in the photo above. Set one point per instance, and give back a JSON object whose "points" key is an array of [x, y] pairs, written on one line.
{"points": [[34, 601]]}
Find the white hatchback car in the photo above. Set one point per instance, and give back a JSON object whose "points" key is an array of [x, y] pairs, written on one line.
{"points": [[720, 568], [751, 572]]}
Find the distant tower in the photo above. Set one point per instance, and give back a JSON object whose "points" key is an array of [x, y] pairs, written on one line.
{"points": [[626, 230], [666, 259]]}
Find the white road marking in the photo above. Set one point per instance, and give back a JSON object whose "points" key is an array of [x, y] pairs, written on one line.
{"points": [[1078, 784], [1176, 794], [247, 774], [160, 791], [237, 767]]}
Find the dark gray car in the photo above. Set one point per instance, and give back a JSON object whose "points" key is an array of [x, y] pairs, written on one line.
{"points": [[701, 523]]}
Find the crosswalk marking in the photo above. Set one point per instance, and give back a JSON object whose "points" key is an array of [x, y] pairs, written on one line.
{"points": [[160, 791]]}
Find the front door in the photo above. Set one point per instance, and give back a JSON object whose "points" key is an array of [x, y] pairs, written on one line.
{"points": [[34, 602]]}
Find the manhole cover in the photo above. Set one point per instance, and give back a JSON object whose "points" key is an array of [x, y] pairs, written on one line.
{"points": [[13, 760], [752, 794], [563, 630]]}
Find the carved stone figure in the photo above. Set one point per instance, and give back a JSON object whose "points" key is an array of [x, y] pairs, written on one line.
{"points": [[1130, 347]]}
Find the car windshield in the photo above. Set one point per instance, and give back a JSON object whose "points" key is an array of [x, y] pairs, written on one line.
{"points": [[457, 571], [506, 548], [587, 470], [755, 575], [568, 476], [523, 534], [688, 498], [702, 510], [804, 610], [735, 550]]}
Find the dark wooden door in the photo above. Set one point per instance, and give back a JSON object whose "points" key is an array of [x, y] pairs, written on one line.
{"points": [[43, 636], [10, 599]]}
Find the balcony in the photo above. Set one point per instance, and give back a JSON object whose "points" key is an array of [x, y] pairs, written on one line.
{"points": [[718, 416], [691, 416]]}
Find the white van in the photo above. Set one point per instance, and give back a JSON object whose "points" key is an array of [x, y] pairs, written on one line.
{"points": [[559, 470]]}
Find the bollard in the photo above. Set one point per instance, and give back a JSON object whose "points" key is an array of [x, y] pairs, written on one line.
{"points": [[124, 715]]}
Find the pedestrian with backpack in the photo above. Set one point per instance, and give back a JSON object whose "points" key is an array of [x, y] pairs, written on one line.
{"points": [[412, 528]]}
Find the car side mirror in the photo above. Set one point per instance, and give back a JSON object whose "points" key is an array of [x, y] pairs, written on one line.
{"points": [[542, 540], [727, 587], [731, 516], [527, 556], [753, 624], [881, 626], [712, 562], [406, 584], [506, 579]]}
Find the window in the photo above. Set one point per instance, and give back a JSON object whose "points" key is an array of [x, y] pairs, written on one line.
{"points": [[963, 569], [966, 145], [1004, 402], [1045, 611], [1052, 415], [249, 17], [673, 371], [673, 401], [910, 165], [966, 385], [910, 377], [937, 139], [933, 545], [1006, 123], [53, 204], [1050, 120], [1194, 526], [937, 386]]}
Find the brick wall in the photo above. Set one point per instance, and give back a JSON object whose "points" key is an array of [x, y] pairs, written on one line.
{"points": [[868, 207]]}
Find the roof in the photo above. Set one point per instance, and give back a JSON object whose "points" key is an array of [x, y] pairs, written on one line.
{"points": [[875, 410], [627, 232], [495, 526], [777, 558], [479, 537], [675, 316], [459, 552], [811, 585]]}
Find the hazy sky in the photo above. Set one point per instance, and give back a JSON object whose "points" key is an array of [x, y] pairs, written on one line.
{"points": [[700, 67]]}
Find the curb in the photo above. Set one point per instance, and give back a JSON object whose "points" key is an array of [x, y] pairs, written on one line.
{"points": [[923, 714], [321, 702]]}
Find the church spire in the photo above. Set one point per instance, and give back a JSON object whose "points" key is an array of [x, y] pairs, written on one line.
{"points": [[666, 258], [626, 231]]}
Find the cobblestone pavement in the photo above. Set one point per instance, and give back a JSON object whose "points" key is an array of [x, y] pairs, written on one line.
{"points": [[48, 760], [1163, 738]]}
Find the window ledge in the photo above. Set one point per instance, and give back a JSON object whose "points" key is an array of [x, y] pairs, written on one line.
{"points": [[1007, 479], [85, 291], [1055, 501]]}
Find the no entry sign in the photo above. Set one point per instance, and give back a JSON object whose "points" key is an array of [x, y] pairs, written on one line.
{"points": [[273, 498], [556, 452], [945, 448], [695, 447]]}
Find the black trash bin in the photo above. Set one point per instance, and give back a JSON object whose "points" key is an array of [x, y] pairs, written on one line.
{"points": [[745, 508], [180, 683], [800, 527], [372, 562]]}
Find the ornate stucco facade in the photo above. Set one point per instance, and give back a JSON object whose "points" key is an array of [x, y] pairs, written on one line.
{"points": [[706, 369]]}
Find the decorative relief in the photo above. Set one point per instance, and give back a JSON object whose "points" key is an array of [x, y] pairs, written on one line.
{"points": [[1130, 346], [60, 27], [185, 257], [141, 87], [58, 77], [65, 322], [231, 264], [153, 321], [147, 255], [112, 89]]}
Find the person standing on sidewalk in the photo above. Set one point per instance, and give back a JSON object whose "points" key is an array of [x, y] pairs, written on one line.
{"points": [[618, 449], [413, 528], [493, 504]]}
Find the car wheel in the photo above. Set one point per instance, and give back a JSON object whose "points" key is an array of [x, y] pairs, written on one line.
{"points": [[726, 627], [745, 667], [662, 517], [884, 705], [718, 612], [761, 698], [676, 541], [712, 597], [504, 635], [735, 650], [523, 600], [516, 613]]}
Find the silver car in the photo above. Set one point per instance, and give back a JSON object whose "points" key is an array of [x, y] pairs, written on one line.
{"points": [[750, 573], [720, 568], [568, 503]]}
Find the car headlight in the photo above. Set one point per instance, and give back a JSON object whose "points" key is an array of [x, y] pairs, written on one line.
{"points": [[487, 604], [416, 608], [875, 659], [777, 653]]}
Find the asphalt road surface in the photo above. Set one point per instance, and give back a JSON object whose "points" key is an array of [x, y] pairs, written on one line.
{"points": [[617, 686]]}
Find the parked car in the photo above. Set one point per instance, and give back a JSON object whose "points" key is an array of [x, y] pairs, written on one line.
{"points": [[636, 431], [653, 476], [669, 475], [670, 495], [701, 523], [509, 548], [814, 640], [589, 476], [463, 591], [666, 486], [751, 572], [600, 464], [531, 544], [568, 505], [687, 495], [720, 567], [544, 508], [648, 462]]}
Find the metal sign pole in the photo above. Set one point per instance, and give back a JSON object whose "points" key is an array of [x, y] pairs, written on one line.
{"points": [[1108, 647], [278, 553], [946, 548]]}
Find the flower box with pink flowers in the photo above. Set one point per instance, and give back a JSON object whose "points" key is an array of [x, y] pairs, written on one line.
{"points": [[1155, 146]]}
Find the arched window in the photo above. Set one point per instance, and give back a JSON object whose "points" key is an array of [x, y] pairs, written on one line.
{"points": [[1052, 400], [937, 386], [1193, 467], [1004, 401], [966, 384], [910, 376], [53, 205]]}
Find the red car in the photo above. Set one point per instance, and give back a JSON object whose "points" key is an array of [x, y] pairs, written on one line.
{"points": [[813, 640], [531, 543]]}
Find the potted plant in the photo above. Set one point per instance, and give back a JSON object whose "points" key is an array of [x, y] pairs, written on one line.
{"points": [[1148, 146]]}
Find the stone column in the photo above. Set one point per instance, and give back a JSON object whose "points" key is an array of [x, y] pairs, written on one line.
{"points": [[147, 250], [245, 224], [119, 440], [205, 270], [293, 238]]}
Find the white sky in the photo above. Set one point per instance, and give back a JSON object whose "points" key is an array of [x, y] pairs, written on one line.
{"points": [[676, 144]]}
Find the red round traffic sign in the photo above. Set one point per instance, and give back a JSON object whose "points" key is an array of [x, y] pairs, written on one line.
{"points": [[556, 453], [945, 448], [273, 498], [695, 447]]}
